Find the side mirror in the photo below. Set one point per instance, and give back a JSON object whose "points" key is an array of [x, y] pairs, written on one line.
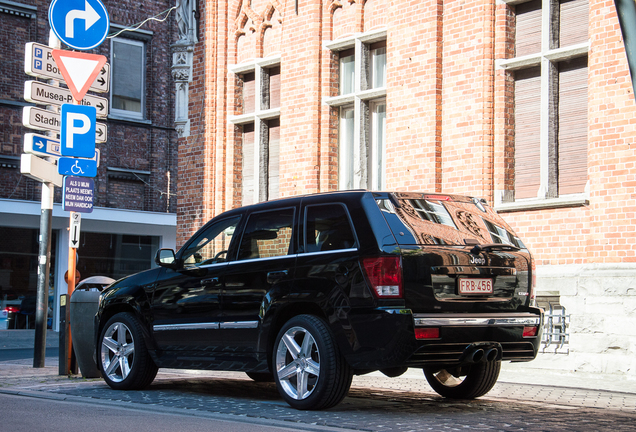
{"points": [[166, 258]]}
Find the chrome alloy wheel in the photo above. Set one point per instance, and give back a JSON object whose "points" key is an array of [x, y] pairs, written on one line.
{"points": [[118, 352], [298, 363]]}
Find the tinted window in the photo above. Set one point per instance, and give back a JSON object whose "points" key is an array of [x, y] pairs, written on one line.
{"points": [[444, 222], [327, 227], [212, 244], [267, 234]]}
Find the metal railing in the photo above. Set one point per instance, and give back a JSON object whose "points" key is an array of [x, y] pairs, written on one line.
{"points": [[556, 337]]}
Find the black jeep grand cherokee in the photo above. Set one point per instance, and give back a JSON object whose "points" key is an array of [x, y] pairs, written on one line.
{"points": [[308, 291]]}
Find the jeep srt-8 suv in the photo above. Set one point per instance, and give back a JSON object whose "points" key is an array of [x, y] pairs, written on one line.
{"points": [[310, 290]]}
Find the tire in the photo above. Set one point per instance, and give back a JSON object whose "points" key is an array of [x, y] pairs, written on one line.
{"points": [[476, 380], [310, 372], [261, 376], [123, 356]]}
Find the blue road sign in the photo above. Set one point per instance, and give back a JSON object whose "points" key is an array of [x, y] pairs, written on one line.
{"points": [[77, 167], [78, 194], [41, 145], [77, 134], [80, 24]]}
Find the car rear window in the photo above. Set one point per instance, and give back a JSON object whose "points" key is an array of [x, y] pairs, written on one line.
{"points": [[442, 220]]}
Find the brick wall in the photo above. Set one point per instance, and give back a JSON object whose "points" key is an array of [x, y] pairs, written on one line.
{"points": [[449, 113]]}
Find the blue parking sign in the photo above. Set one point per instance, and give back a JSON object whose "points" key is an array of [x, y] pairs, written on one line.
{"points": [[80, 24], [77, 134]]}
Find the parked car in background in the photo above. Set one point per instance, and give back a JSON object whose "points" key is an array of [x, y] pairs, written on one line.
{"points": [[311, 290]]}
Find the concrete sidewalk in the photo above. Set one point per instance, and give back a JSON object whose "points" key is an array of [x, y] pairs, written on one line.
{"points": [[517, 382]]}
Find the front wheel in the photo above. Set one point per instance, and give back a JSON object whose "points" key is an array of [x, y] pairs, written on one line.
{"points": [[309, 370], [466, 382], [122, 354]]}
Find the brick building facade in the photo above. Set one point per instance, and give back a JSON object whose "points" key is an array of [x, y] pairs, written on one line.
{"points": [[135, 188], [527, 104]]}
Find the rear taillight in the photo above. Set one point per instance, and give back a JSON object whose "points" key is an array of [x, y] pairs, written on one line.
{"points": [[427, 333], [385, 276], [13, 309], [530, 331]]}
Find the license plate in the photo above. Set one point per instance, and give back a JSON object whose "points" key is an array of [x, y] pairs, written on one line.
{"points": [[475, 286]]}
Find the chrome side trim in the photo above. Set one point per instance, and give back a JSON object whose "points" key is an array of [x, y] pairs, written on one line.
{"points": [[304, 254], [449, 320], [239, 325], [193, 326], [232, 263]]}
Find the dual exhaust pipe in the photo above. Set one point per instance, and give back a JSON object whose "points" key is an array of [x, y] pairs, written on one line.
{"points": [[481, 353]]}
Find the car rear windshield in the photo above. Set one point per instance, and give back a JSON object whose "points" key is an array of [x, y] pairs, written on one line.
{"points": [[418, 219]]}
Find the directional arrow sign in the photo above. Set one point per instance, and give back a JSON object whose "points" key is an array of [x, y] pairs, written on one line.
{"points": [[39, 62], [41, 119], [39, 169], [78, 69], [40, 93], [80, 24], [42, 145], [74, 230]]}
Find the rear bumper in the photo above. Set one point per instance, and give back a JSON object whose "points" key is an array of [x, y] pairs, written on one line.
{"points": [[457, 334]]}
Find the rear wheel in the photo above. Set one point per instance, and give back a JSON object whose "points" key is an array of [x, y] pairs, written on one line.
{"points": [[467, 382], [123, 356], [310, 372]]}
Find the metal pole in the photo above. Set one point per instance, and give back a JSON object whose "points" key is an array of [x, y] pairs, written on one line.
{"points": [[44, 266]]}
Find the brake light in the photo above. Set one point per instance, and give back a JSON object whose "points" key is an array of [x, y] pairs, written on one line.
{"points": [[427, 333], [12, 309], [385, 276], [530, 331]]}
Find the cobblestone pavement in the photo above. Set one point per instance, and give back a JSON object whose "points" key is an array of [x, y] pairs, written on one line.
{"points": [[373, 404]]}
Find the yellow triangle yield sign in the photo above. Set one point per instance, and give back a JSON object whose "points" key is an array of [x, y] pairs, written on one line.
{"points": [[78, 69]]}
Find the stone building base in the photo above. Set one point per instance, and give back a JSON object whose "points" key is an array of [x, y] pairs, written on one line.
{"points": [[597, 302]]}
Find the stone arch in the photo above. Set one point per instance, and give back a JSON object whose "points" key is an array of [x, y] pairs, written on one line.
{"points": [[271, 29]]}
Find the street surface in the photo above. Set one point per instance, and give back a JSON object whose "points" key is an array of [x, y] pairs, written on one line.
{"points": [[28, 414], [31, 399], [233, 397]]}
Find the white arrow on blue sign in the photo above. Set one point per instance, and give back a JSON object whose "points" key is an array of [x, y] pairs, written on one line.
{"points": [[80, 24], [41, 145], [77, 167], [77, 134]]}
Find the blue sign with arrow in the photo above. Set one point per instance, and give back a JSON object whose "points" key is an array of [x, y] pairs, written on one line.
{"points": [[41, 145], [80, 24]]}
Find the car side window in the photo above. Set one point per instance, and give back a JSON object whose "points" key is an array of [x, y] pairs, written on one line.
{"points": [[327, 227], [211, 246], [267, 234]]}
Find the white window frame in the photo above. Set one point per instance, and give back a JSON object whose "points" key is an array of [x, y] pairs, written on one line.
{"points": [[362, 164], [545, 59], [121, 113], [258, 116]]}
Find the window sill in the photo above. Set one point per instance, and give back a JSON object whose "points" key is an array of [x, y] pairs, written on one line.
{"points": [[542, 204]]}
